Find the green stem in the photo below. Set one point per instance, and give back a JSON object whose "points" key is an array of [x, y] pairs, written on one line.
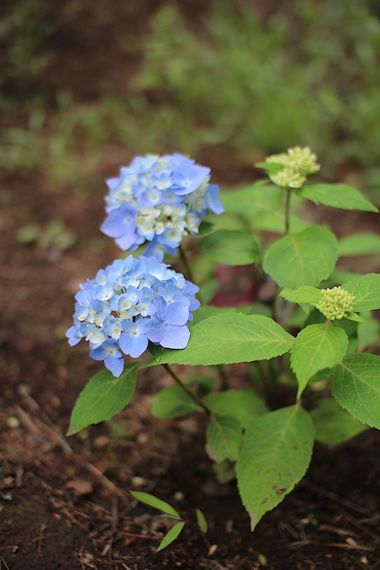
{"points": [[186, 264], [178, 381], [287, 210]]}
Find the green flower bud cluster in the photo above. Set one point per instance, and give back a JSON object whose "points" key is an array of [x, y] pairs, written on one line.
{"points": [[298, 163], [335, 303]]}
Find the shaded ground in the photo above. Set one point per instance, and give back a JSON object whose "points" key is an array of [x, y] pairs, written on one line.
{"points": [[63, 503]]}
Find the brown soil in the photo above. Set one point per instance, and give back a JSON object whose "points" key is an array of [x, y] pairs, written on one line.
{"points": [[64, 503]]}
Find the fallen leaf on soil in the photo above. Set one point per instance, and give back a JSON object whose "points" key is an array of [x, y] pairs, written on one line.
{"points": [[80, 487]]}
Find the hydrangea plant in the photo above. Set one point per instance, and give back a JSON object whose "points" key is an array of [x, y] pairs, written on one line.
{"points": [[316, 335]]}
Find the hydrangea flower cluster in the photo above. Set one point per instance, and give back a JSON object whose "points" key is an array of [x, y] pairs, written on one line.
{"points": [[336, 303], [298, 163], [131, 302], [159, 199]]}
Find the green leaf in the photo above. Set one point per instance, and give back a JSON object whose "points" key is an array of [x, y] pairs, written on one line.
{"points": [[303, 258], [368, 332], [223, 438], [306, 294], [366, 290], [244, 405], [156, 503], [208, 311], [338, 196], [315, 348], [359, 244], [229, 338], [171, 536], [224, 471], [231, 247], [172, 402], [270, 167], [208, 290], [275, 455], [333, 425], [251, 199], [201, 520], [103, 397], [356, 387]]}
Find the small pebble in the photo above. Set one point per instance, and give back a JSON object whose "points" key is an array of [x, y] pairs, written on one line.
{"points": [[13, 422], [138, 481]]}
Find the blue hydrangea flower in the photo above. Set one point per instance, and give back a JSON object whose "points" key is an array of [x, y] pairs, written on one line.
{"points": [[157, 200], [129, 304]]}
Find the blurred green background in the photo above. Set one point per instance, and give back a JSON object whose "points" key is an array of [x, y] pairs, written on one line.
{"points": [[86, 84]]}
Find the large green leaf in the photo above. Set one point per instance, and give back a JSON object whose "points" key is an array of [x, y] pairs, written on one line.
{"points": [[229, 338], [307, 294], [275, 455], [303, 258], [231, 247], [172, 402], [333, 425], [315, 348], [338, 196], [359, 244], [366, 290], [244, 405], [103, 397], [356, 387], [249, 200], [208, 311], [223, 438]]}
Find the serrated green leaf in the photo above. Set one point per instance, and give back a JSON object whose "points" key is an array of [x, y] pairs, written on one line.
{"points": [[333, 425], [244, 405], [275, 455], [366, 290], [231, 247], [201, 520], [359, 244], [249, 200], [156, 503], [307, 294], [208, 311], [303, 258], [223, 438], [172, 402], [355, 385], [103, 397], [338, 196], [229, 338], [171, 536], [316, 347]]}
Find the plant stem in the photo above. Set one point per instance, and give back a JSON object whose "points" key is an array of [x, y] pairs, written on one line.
{"points": [[186, 264], [223, 376], [178, 381], [287, 210]]}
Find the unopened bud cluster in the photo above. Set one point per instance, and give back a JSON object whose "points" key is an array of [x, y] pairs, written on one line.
{"points": [[336, 303], [298, 163]]}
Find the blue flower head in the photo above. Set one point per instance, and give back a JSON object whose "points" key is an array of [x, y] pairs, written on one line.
{"points": [[129, 304], [156, 201]]}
